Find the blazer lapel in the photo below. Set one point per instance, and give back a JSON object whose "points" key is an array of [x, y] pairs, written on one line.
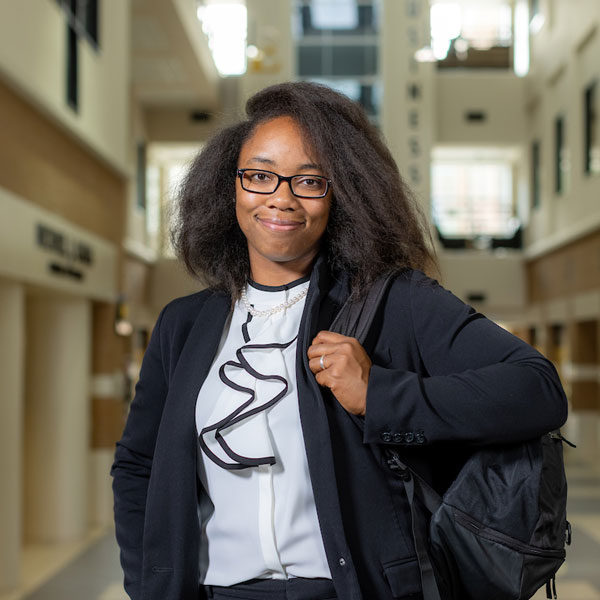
{"points": [[195, 360], [324, 299]]}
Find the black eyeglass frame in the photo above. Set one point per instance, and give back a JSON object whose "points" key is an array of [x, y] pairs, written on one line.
{"points": [[280, 178]]}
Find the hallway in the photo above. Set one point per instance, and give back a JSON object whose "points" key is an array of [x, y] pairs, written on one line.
{"points": [[93, 573], [490, 109]]}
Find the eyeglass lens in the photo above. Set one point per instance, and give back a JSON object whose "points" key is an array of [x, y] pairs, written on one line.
{"points": [[265, 182]]}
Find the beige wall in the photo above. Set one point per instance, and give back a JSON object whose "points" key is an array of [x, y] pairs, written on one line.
{"points": [[42, 164], [12, 357], [499, 277], [33, 59], [565, 60], [500, 95], [57, 425]]}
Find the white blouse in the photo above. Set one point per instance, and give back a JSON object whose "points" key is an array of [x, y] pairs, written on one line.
{"points": [[258, 518]]}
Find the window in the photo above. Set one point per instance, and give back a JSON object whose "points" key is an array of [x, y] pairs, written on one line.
{"points": [[338, 17], [337, 60], [72, 69], [367, 94], [82, 23], [561, 161], [591, 133], [337, 44], [535, 174], [475, 34], [141, 175], [83, 17], [472, 199], [91, 20]]}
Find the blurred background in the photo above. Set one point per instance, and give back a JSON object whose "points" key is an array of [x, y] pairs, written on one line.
{"points": [[490, 107]]}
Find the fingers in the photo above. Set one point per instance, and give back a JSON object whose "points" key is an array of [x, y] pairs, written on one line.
{"points": [[317, 350], [324, 337], [330, 349], [325, 356], [323, 379], [327, 377], [326, 342], [341, 364], [317, 365]]}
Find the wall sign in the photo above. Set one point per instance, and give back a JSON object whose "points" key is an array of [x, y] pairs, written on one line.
{"points": [[71, 252], [47, 250]]}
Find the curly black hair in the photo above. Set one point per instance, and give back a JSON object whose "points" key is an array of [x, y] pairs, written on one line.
{"points": [[375, 225]]}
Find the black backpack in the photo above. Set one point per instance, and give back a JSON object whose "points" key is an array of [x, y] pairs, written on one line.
{"points": [[500, 529]]}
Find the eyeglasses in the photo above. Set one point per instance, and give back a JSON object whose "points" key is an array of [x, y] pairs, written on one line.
{"points": [[258, 181]]}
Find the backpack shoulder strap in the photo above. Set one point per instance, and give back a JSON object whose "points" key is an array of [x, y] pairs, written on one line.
{"points": [[354, 319], [356, 315]]}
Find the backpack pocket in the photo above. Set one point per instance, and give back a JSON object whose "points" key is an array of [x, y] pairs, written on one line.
{"points": [[497, 536], [487, 561]]}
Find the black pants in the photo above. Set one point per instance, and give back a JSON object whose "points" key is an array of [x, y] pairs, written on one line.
{"points": [[296, 588]]}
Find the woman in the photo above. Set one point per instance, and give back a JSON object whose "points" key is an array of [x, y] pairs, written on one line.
{"points": [[251, 462]]}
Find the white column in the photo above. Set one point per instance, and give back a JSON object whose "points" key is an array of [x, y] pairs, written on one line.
{"points": [[57, 418], [408, 110], [12, 344]]}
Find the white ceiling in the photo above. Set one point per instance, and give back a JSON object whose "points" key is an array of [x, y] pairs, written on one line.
{"points": [[171, 62]]}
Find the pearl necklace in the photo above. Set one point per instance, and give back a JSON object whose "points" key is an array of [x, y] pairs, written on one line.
{"points": [[274, 309]]}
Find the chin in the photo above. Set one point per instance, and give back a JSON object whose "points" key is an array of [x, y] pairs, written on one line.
{"points": [[290, 256]]}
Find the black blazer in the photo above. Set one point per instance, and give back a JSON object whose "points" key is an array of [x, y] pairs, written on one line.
{"points": [[443, 378]]}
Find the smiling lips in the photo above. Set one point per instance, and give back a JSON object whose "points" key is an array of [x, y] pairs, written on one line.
{"points": [[275, 224]]}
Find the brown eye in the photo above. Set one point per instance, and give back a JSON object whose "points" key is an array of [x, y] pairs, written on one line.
{"points": [[312, 184], [260, 177]]}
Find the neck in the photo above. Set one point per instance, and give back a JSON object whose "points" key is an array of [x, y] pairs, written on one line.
{"points": [[270, 273]]}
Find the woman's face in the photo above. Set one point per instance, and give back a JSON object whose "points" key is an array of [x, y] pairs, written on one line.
{"points": [[282, 230]]}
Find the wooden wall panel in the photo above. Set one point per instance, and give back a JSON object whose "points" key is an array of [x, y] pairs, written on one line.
{"points": [[42, 163], [108, 368], [571, 269], [108, 348], [136, 281], [584, 395], [108, 421], [584, 342]]}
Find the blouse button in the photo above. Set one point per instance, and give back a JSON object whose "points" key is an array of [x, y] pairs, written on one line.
{"points": [[342, 562]]}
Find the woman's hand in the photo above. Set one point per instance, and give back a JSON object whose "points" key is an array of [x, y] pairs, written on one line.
{"points": [[346, 369]]}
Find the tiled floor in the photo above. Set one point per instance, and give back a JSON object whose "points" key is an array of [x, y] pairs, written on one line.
{"points": [[93, 573]]}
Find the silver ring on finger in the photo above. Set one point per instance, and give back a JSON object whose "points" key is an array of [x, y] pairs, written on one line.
{"points": [[322, 362]]}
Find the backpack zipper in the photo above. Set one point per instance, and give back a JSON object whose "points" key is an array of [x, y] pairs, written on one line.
{"points": [[557, 435], [495, 536]]}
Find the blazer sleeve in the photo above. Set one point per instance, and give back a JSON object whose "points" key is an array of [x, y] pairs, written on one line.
{"points": [[480, 384], [133, 460]]}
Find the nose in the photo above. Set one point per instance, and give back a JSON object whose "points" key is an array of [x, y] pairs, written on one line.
{"points": [[282, 198]]}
